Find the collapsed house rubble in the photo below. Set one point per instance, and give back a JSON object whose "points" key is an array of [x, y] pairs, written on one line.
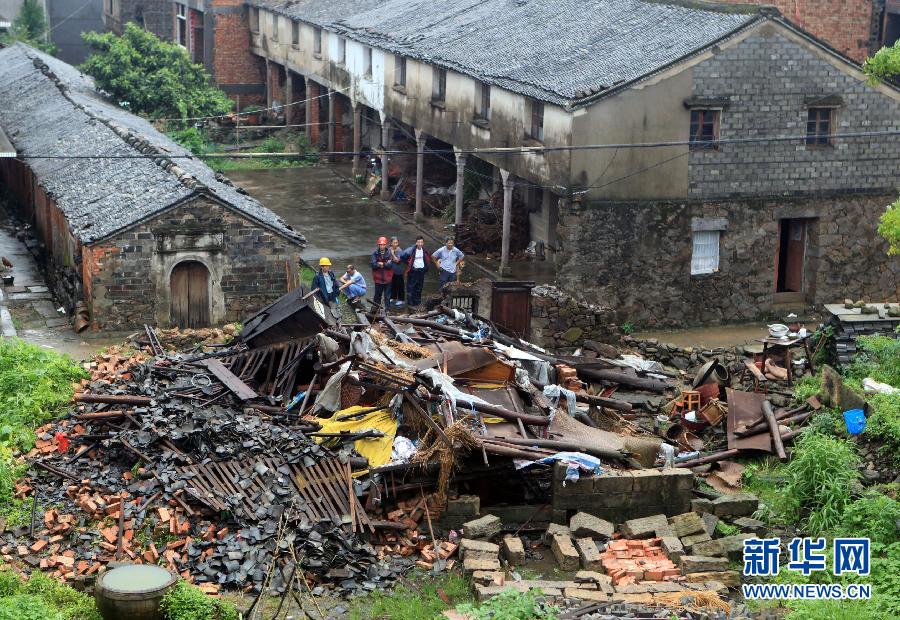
{"points": [[309, 455]]}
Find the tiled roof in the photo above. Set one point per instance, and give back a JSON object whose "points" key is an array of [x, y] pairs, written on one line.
{"points": [[554, 50], [48, 107]]}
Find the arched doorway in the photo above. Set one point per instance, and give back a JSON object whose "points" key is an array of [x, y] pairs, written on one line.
{"points": [[190, 294]]}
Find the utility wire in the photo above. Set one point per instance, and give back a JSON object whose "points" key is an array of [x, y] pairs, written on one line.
{"points": [[274, 107]]}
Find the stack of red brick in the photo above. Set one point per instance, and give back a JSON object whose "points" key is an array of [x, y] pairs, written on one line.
{"points": [[630, 561], [409, 532]]}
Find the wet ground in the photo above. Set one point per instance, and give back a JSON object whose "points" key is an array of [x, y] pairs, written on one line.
{"points": [[709, 337], [28, 310], [341, 222]]}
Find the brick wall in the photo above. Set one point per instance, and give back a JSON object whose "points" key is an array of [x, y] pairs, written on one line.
{"points": [[236, 70], [618, 496], [769, 80], [635, 258], [127, 274], [846, 25]]}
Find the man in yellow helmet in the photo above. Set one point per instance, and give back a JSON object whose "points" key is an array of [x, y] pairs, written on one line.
{"points": [[326, 283]]}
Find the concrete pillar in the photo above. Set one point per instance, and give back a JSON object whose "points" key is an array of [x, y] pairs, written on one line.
{"points": [[420, 170], [331, 124], [460, 183], [289, 97], [357, 139], [307, 111], [268, 85], [385, 160], [507, 220]]}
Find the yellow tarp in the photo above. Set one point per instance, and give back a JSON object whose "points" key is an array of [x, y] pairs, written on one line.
{"points": [[376, 449]]}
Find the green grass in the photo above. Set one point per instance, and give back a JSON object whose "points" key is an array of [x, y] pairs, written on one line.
{"points": [[418, 597], [187, 602], [512, 605], [42, 597]]}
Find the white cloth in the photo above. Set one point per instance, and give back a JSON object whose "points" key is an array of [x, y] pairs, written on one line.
{"points": [[419, 259], [555, 392]]}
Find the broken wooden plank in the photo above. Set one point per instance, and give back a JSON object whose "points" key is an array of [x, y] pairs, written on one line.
{"points": [[229, 379]]}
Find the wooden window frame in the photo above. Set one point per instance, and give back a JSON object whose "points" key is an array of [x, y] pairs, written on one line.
{"points": [[816, 136], [181, 25], [536, 120], [400, 71], [483, 102], [698, 139], [439, 86], [295, 34]]}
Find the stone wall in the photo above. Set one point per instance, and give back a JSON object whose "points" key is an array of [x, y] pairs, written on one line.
{"points": [[636, 257], [560, 321], [769, 82], [127, 276], [621, 495], [684, 358]]}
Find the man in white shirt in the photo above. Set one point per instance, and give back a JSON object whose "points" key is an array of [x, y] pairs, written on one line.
{"points": [[447, 260], [353, 284], [416, 258]]}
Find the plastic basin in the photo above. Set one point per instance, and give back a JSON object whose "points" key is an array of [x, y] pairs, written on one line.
{"points": [[855, 419]]}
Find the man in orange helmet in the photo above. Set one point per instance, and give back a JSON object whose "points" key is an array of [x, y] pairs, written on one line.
{"points": [[382, 272]]}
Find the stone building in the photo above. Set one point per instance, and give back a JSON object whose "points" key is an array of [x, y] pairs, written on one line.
{"points": [[131, 224], [754, 191], [156, 16]]}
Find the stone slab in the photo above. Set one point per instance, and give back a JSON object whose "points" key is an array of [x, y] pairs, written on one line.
{"points": [[588, 553], [565, 553], [512, 550], [470, 565], [735, 505], [702, 564], [583, 525], [485, 527], [644, 527], [686, 524]]}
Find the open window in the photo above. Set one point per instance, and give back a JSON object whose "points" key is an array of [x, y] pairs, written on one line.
{"points": [[439, 85], [705, 128], [400, 71], [536, 126], [342, 51], [317, 41], [274, 26], [295, 34], [482, 103], [181, 24], [367, 62]]}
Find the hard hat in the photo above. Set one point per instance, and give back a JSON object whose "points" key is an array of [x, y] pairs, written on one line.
{"points": [[382, 240], [324, 262]]}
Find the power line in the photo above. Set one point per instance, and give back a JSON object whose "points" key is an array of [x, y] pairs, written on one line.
{"points": [[278, 107]]}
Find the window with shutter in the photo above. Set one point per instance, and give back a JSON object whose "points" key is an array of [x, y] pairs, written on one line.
{"points": [[705, 257]]}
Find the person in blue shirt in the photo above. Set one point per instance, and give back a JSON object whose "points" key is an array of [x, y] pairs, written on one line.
{"points": [[447, 259], [326, 282], [353, 284]]}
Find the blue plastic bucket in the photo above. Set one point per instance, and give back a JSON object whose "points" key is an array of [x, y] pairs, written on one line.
{"points": [[855, 419]]}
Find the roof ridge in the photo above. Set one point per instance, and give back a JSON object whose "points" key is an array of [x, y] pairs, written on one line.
{"points": [[134, 141]]}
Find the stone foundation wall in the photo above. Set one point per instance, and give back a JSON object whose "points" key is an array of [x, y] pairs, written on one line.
{"points": [[560, 321], [636, 257], [619, 496], [683, 358]]}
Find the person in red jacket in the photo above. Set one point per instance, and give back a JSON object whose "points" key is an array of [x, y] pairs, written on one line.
{"points": [[382, 272]]}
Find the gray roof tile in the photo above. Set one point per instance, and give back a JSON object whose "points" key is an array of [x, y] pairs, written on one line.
{"points": [[554, 50], [48, 107]]}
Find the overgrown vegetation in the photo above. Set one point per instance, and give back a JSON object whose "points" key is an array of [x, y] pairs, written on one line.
{"points": [[512, 605], [41, 598], [187, 602], [879, 358], [30, 26], [421, 596], [819, 482], [152, 77]]}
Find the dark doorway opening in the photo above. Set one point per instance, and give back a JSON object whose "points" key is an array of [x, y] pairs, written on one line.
{"points": [[792, 235], [190, 294]]}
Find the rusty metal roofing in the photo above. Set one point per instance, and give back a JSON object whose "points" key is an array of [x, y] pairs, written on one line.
{"points": [[49, 108]]}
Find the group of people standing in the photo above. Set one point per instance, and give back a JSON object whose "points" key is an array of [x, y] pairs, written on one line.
{"points": [[398, 274]]}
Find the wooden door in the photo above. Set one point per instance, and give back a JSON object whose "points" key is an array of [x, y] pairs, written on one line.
{"points": [[511, 306], [190, 295], [795, 252]]}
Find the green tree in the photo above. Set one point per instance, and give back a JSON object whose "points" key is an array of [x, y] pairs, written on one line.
{"points": [[885, 65], [152, 77], [30, 26]]}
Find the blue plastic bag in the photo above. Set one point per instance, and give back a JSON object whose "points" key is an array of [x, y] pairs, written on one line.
{"points": [[855, 419]]}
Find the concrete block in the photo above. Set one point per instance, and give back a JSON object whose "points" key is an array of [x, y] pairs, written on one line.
{"points": [[673, 547], [647, 481], [586, 595], [702, 505], [644, 527], [735, 505], [470, 548], [693, 539], [680, 477], [470, 565], [556, 528], [731, 546], [750, 526], [489, 578], [588, 553], [730, 578], [687, 524], [709, 523], [593, 579], [485, 527], [701, 563], [587, 525], [566, 555], [512, 550], [665, 531], [617, 483], [464, 506]]}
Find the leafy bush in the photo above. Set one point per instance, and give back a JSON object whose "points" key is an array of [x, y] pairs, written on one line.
{"points": [[512, 605], [889, 225], [877, 357], [186, 602], [806, 386], [34, 383], [150, 76], [874, 516], [41, 597], [192, 139], [884, 423], [420, 597], [819, 482]]}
